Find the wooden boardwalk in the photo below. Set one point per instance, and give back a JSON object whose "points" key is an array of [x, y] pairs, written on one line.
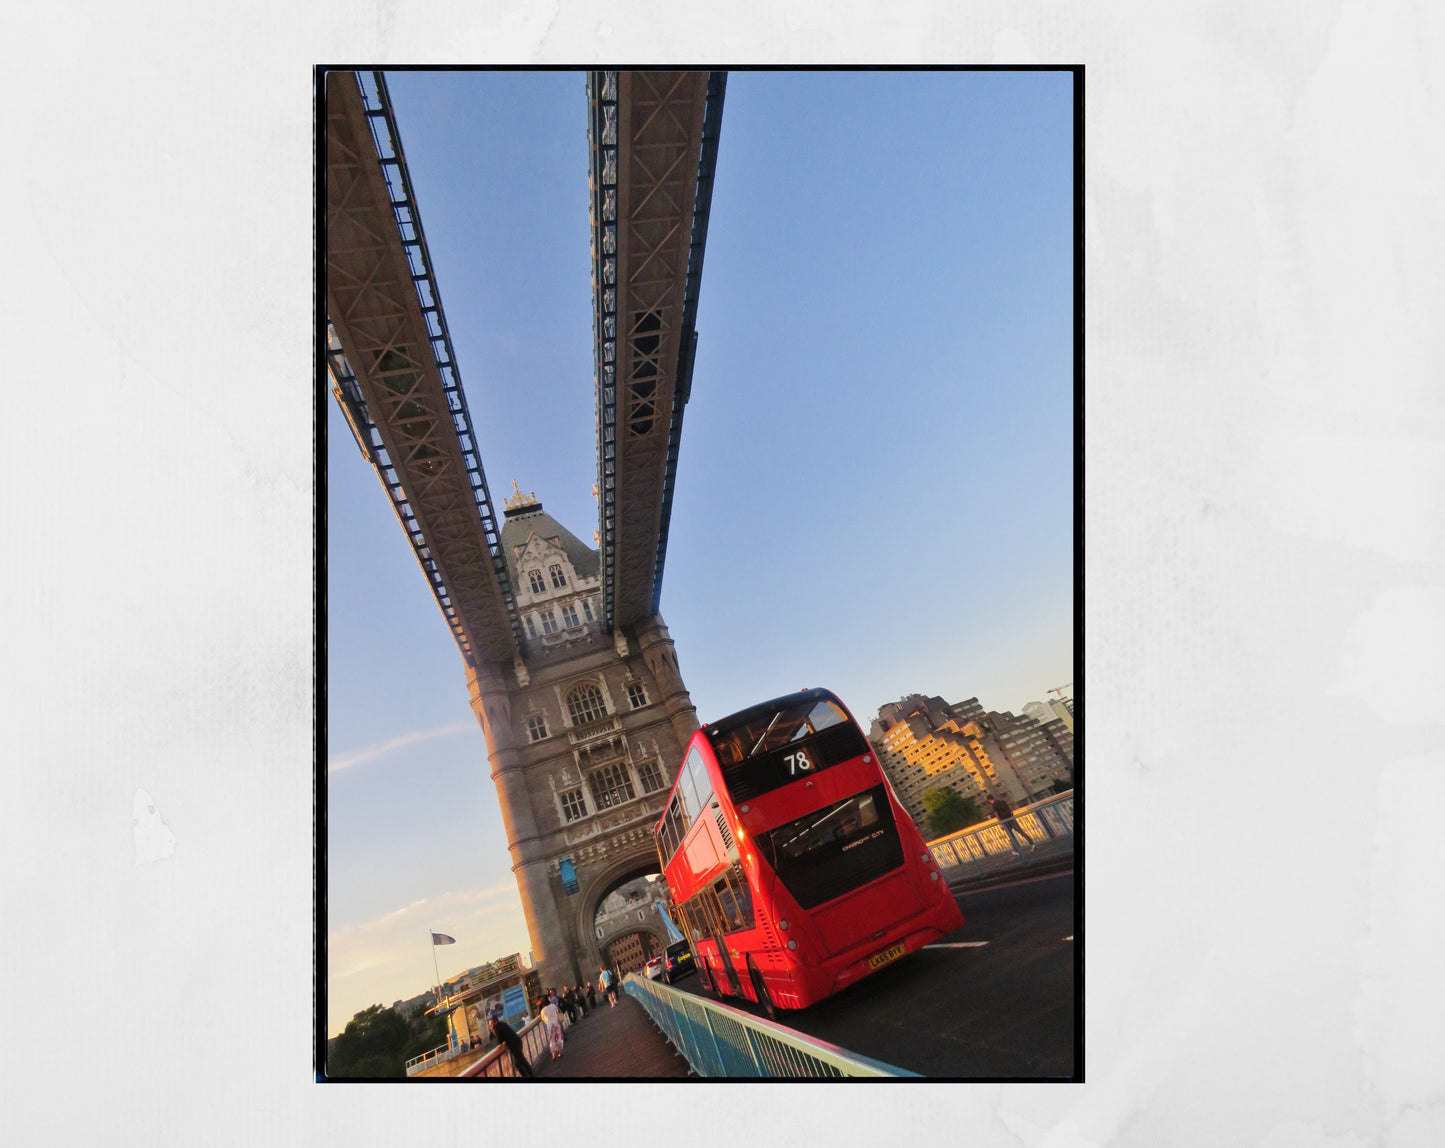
{"points": [[614, 1042]]}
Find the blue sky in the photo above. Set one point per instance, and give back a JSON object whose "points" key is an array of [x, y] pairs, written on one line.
{"points": [[874, 491]]}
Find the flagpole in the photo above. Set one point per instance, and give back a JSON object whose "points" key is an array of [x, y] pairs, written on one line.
{"points": [[434, 966]]}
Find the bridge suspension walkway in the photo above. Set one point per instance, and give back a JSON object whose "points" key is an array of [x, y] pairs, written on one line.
{"points": [[613, 1042]]}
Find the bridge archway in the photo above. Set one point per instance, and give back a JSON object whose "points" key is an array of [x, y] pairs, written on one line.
{"points": [[631, 932]]}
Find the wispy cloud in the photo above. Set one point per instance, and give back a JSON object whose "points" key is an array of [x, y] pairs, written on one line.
{"points": [[369, 753]]}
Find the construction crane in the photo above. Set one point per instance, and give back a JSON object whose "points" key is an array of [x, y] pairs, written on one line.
{"points": [[1060, 689]]}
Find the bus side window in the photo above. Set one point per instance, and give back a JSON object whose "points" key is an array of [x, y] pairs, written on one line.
{"points": [[667, 837], [708, 902], [743, 894], [729, 905], [678, 821], [687, 787], [700, 780]]}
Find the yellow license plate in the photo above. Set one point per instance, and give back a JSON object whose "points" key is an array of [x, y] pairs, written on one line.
{"points": [[878, 960]]}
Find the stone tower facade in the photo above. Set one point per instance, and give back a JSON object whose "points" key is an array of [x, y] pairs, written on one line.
{"points": [[585, 733]]}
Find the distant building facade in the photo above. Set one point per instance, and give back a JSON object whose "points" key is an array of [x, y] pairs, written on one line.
{"points": [[1032, 757], [924, 743], [1060, 708]]}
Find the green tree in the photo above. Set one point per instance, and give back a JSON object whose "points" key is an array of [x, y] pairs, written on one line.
{"points": [[948, 810], [372, 1044], [427, 1033]]}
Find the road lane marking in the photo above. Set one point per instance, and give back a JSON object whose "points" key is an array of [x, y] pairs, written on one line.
{"points": [[959, 945]]}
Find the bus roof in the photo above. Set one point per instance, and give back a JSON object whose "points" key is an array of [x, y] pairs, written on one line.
{"points": [[742, 717]]}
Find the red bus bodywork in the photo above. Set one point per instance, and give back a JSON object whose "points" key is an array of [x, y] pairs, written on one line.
{"points": [[863, 891]]}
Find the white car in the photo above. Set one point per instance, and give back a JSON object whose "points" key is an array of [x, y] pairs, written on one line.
{"points": [[654, 968]]}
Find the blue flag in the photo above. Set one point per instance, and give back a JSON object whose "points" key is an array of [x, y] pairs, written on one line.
{"points": [[442, 939]]}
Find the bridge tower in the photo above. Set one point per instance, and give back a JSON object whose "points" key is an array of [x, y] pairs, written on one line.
{"points": [[584, 737], [572, 674]]}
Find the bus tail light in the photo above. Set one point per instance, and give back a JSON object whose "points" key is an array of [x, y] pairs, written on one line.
{"points": [[792, 944], [933, 874], [783, 925]]}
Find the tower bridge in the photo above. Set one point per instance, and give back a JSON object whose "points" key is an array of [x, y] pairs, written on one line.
{"points": [[572, 674]]}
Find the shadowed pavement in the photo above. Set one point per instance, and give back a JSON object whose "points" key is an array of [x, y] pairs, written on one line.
{"points": [[609, 1042]]}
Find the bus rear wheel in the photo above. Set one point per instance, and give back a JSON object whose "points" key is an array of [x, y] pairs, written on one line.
{"points": [[760, 989]]}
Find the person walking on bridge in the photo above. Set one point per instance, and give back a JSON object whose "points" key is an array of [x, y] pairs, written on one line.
{"points": [[1005, 814], [552, 1018], [505, 1035], [609, 985], [591, 995]]}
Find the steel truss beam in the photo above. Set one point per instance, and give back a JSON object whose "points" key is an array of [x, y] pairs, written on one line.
{"points": [[395, 374], [653, 139]]}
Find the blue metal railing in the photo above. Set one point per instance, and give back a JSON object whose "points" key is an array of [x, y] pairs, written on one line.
{"points": [[721, 1041]]}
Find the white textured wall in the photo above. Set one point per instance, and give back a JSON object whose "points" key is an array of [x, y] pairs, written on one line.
{"points": [[1265, 610]]}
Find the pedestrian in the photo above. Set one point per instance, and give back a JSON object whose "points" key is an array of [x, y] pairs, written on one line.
{"points": [[609, 985], [582, 1008], [552, 1018], [569, 1003], [1005, 814], [505, 1035], [591, 995]]}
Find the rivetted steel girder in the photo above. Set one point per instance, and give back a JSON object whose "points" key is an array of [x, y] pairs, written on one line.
{"points": [[406, 391], [651, 180]]}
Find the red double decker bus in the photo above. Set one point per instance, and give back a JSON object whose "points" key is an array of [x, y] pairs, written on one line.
{"points": [[792, 867]]}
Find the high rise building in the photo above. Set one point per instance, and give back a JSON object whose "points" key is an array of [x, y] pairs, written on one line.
{"points": [[1033, 757], [1061, 708], [922, 745], [1061, 737]]}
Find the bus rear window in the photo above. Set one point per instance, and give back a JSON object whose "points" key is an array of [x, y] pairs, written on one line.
{"points": [[836, 849], [768, 746]]}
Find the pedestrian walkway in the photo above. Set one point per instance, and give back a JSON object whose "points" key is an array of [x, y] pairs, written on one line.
{"points": [[608, 1042]]}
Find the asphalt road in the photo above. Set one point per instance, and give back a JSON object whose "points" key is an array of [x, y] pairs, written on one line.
{"points": [[1000, 1010]]}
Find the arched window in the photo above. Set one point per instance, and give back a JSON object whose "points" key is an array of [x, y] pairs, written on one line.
{"points": [[585, 704], [535, 577]]}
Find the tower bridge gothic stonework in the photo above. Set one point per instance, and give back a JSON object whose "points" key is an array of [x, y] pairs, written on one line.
{"points": [[585, 732]]}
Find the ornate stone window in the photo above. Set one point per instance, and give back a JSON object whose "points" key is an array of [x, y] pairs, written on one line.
{"points": [[573, 807], [549, 622], [585, 704], [535, 577], [611, 785], [650, 776], [636, 695], [559, 579], [536, 727], [587, 609], [569, 616]]}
